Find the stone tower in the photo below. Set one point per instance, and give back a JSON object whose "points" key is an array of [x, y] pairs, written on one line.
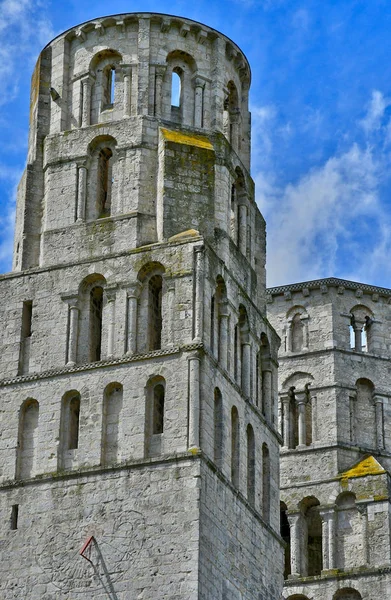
{"points": [[138, 372], [335, 413]]}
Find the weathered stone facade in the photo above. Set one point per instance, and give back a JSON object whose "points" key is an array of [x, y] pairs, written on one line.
{"points": [[335, 419], [139, 443]]}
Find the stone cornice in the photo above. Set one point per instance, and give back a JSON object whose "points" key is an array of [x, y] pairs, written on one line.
{"points": [[99, 364], [334, 282]]}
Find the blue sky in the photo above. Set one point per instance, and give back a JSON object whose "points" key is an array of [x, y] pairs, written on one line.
{"points": [[321, 112]]}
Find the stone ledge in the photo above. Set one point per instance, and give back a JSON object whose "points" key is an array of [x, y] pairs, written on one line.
{"points": [[100, 364]]}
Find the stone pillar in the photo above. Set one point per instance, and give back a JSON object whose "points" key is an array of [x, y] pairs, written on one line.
{"points": [[132, 296], [357, 328], [198, 309], [294, 520], [301, 400], [363, 509], [110, 298], [325, 540], [234, 129], [223, 335], [127, 73], [314, 415], [289, 336], [243, 229], [246, 367], [286, 404], [159, 77], [73, 328], [81, 190], [194, 401], [199, 85], [352, 416], [332, 539], [379, 412], [267, 391], [86, 83]]}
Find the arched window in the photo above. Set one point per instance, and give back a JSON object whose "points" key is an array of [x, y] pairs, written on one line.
{"points": [[154, 416], [155, 288], [218, 428], [107, 89], [150, 325], [297, 329], [112, 408], [285, 532], [96, 308], [27, 440], [360, 329], [235, 446], [105, 181], [265, 483], [250, 465], [231, 116], [177, 102], [347, 594], [69, 430], [312, 559]]}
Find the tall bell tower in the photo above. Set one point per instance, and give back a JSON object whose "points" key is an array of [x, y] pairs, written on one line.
{"points": [[139, 417]]}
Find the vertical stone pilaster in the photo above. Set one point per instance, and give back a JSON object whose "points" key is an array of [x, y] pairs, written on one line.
{"points": [[246, 368], [301, 400], [82, 172], [379, 414], [194, 401], [72, 301], [223, 335], [132, 296], [243, 229], [86, 84], [352, 416], [110, 293], [160, 71], [286, 404], [294, 520], [127, 73], [199, 85], [198, 309]]}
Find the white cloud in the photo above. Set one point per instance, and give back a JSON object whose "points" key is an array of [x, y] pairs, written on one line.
{"points": [[375, 113]]}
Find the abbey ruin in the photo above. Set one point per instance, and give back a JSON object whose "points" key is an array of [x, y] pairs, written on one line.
{"points": [[142, 409]]}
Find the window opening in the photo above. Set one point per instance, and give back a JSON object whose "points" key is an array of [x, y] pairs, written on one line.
{"points": [[105, 180], [158, 409], [175, 90], [250, 465], [25, 338], [155, 312], [74, 414], [285, 532], [265, 483], [96, 307], [14, 516], [218, 427]]}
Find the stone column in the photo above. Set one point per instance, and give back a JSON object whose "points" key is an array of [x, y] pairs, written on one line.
{"points": [[301, 400], [169, 328], [81, 190], [357, 328], [286, 404], [198, 309], [132, 296], [352, 416], [159, 77], [294, 520], [243, 229], [363, 509], [246, 367], [332, 539], [199, 85], [379, 412], [127, 73], [194, 401], [304, 320], [110, 297], [73, 327], [325, 540], [234, 129], [314, 403], [289, 336], [223, 335], [267, 390], [86, 83]]}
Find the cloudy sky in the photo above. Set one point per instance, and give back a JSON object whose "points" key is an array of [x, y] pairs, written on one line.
{"points": [[321, 110]]}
